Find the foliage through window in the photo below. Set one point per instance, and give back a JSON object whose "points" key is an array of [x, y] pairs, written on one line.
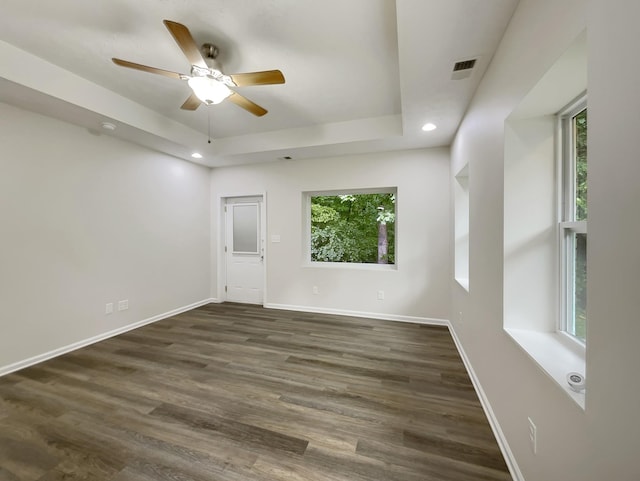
{"points": [[353, 228], [573, 226]]}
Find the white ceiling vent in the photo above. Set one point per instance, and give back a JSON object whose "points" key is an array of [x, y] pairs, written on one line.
{"points": [[463, 69]]}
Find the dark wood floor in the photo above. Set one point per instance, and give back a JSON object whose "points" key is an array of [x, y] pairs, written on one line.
{"points": [[234, 392]]}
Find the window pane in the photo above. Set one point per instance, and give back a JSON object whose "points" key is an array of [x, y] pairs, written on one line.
{"points": [[580, 126], [574, 248], [577, 324], [357, 228], [245, 228]]}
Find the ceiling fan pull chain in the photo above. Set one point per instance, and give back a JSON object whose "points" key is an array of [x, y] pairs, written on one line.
{"points": [[209, 124]]}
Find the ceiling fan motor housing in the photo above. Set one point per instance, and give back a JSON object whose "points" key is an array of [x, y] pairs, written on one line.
{"points": [[210, 53]]}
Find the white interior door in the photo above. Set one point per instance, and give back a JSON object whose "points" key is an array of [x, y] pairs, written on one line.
{"points": [[244, 252]]}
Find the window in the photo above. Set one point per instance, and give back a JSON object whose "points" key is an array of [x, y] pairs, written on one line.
{"points": [[573, 222], [544, 226], [352, 226], [246, 233], [461, 226]]}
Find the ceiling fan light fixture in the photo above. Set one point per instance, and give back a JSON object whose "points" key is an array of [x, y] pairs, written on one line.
{"points": [[208, 90]]}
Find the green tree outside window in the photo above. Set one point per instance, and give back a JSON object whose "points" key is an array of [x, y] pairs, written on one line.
{"points": [[356, 228]]}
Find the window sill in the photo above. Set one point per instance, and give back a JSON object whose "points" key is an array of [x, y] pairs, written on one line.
{"points": [[555, 354], [351, 265], [464, 283]]}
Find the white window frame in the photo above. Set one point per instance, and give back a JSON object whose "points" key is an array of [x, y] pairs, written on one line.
{"points": [[306, 237], [568, 226]]}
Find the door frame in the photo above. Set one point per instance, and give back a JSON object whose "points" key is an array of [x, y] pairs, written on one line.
{"points": [[221, 260]]}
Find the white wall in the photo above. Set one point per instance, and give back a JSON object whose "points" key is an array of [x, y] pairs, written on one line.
{"points": [[602, 441], [86, 219], [530, 235], [613, 332], [420, 285]]}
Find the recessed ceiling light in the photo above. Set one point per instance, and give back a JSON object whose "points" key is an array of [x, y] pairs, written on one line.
{"points": [[196, 155], [108, 126], [428, 127]]}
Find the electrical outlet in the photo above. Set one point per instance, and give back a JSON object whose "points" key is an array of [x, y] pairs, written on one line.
{"points": [[123, 305], [380, 295], [315, 290], [533, 436], [109, 308]]}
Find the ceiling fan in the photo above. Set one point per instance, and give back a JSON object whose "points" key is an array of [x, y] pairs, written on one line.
{"points": [[209, 84]]}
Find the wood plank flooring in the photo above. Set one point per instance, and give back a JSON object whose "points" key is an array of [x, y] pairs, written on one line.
{"points": [[238, 393]]}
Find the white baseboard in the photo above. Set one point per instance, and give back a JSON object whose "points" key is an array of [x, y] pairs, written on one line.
{"points": [[516, 474], [100, 337], [371, 315]]}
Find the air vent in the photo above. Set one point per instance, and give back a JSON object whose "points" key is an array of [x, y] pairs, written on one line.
{"points": [[464, 65], [463, 69]]}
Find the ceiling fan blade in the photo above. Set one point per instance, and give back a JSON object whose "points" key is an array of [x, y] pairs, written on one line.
{"points": [[266, 77], [185, 41], [247, 104], [145, 68], [191, 103]]}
